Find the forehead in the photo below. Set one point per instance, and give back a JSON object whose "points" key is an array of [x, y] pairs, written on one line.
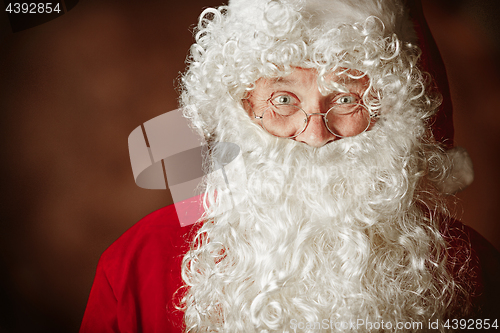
{"points": [[298, 77], [307, 77]]}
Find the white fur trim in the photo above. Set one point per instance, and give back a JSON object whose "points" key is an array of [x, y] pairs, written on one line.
{"points": [[334, 13], [461, 173]]}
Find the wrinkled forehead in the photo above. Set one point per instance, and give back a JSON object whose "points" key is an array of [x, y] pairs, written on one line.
{"points": [[341, 79]]}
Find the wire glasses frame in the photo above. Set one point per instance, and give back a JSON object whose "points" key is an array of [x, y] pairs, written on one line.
{"points": [[342, 120]]}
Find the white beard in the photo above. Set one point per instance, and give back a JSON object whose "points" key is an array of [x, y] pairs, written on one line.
{"points": [[328, 235]]}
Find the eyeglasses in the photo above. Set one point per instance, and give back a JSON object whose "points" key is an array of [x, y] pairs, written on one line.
{"points": [[342, 120]]}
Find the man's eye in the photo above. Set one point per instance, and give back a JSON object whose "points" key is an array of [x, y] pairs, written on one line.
{"points": [[283, 99], [348, 99]]}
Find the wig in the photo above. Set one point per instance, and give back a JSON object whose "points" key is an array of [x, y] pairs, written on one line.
{"points": [[352, 230]]}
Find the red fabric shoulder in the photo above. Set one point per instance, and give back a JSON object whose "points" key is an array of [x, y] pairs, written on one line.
{"points": [[431, 62], [137, 277], [467, 246]]}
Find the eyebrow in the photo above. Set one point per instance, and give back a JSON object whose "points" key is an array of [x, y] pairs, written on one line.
{"points": [[348, 80], [342, 80], [284, 80]]}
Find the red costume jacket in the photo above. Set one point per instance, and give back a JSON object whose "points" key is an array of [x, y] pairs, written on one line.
{"points": [[137, 277]]}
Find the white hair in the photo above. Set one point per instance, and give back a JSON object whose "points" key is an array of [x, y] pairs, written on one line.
{"points": [[231, 53], [350, 230]]}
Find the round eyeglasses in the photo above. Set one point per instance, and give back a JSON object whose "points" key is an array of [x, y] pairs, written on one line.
{"points": [[289, 121]]}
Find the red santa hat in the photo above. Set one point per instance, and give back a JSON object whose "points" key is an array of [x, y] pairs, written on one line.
{"points": [[461, 171]]}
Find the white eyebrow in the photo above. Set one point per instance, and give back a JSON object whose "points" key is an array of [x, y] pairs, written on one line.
{"points": [[284, 81]]}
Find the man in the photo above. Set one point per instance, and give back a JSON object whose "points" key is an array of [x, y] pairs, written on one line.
{"points": [[338, 220]]}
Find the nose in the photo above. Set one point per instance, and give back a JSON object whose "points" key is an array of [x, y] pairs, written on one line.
{"points": [[316, 134]]}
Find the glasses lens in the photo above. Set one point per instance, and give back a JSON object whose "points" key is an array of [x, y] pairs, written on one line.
{"points": [[286, 121], [346, 120]]}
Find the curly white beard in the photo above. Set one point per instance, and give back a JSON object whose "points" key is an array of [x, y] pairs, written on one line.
{"points": [[336, 233]]}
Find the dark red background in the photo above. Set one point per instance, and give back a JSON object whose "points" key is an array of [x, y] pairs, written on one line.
{"points": [[72, 89]]}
